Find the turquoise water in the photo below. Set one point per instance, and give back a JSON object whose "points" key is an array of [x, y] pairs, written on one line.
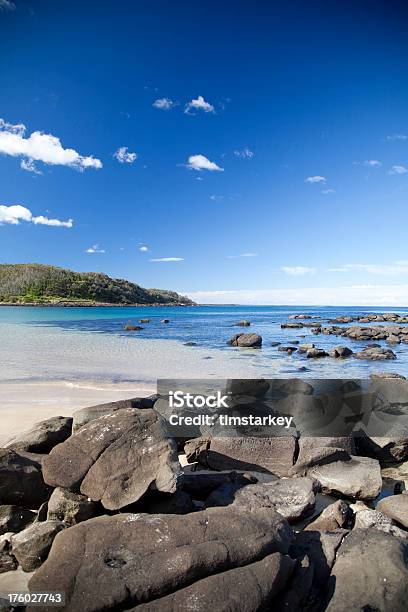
{"points": [[90, 343]]}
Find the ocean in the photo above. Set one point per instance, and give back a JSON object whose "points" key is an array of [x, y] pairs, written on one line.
{"points": [[90, 344]]}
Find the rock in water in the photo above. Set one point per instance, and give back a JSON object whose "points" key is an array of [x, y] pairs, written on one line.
{"points": [[115, 459], [396, 507], [370, 573], [21, 480], [246, 340], [43, 436], [250, 588], [243, 323], [31, 546], [114, 562]]}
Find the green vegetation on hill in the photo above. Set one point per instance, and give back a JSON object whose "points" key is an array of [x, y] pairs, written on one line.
{"points": [[37, 284]]}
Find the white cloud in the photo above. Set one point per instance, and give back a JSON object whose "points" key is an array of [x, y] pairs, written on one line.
{"points": [[244, 153], [41, 147], [216, 198], [200, 162], [6, 5], [124, 157], [143, 248], [29, 166], [398, 170], [167, 259], [327, 191], [397, 268], [95, 248], [315, 179], [12, 215], [164, 103], [297, 270], [243, 255], [373, 163], [397, 137], [197, 105], [353, 295]]}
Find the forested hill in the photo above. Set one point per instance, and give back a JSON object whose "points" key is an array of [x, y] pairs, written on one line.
{"points": [[41, 284]]}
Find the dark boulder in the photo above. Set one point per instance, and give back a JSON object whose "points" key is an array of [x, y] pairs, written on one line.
{"points": [[115, 459], [246, 340], [132, 328], [31, 546], [340, 352], [128, 559], [375, 354], [21, 480], [43, 436], [14, 518], [84, 415]]}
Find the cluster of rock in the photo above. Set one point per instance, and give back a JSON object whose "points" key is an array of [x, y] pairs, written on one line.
{"points": [[99, 507], [391, 317]]}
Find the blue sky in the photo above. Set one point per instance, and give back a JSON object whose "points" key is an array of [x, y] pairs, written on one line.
{"points": [[272, 169]]}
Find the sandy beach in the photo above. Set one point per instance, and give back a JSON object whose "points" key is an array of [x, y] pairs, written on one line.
{"points": [[24, 404]]}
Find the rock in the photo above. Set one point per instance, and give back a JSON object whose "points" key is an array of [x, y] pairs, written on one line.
{"points": [[303, 348], [165, 321], [293, 498], [340, 351], [144, 321], [274, 454], [370, 573], [13, 518], [301, 316], [190, 343], [375, 375], [252, 387], [85, 415], [321, 451], [31, 546], [246, 340], [335, 516], [8, 563], [287, 349], [275, 343], [43, 436], [292, 325], [250, 588], [70, 508], [112, 562], [316, 353], [396, 507], [359, 478], [375, 354], [115, 459], [21, 480], [392, 339], [294, 385], [367, 518], [243, 323], [132, 328], [321, 548], [294, 342], [200, 484]]}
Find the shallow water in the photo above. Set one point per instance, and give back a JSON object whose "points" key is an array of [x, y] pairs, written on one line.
{"points": [[91, 344]]}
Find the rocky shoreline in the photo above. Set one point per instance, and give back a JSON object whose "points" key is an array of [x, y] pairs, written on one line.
{"points": [[104, 507]]}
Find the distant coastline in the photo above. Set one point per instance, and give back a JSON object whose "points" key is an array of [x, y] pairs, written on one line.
{"points": [[79, 304]]}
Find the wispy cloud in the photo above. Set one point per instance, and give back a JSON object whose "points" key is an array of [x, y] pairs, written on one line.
{"points": [[200, 162], [6, 5], [198, 104], [29, 166], [327, 191], [216, 198], [398, 170], [143, 248], [297, 270], [396, 268], [397, 137], [41, 147], [315, 179], [373, 163], [244, 153], [242, 255], [167, 259], [164, 104], [95, 248], [124, 156], [12, 215]]}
